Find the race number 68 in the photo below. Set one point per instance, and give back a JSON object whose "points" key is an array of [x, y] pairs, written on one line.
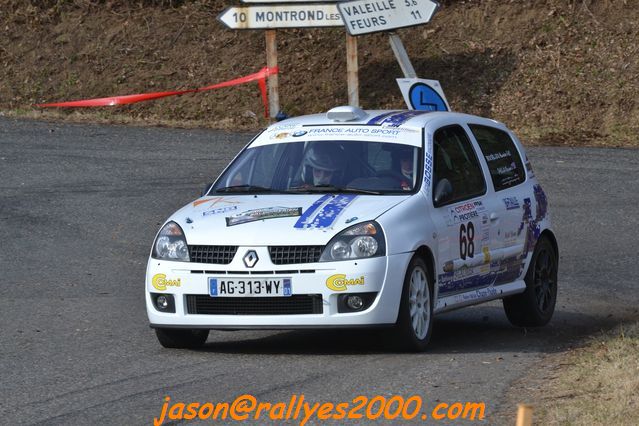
{"points": [[466, 240]]}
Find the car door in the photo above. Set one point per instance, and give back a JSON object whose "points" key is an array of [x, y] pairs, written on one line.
{"points": [[507, 176], [463, 212]]}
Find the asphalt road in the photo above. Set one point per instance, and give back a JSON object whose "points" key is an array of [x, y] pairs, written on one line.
{"points": [[80, 205]]}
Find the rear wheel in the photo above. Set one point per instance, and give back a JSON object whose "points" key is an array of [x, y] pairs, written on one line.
{"points": [[535, 306], [177, 338], [415, 321]]}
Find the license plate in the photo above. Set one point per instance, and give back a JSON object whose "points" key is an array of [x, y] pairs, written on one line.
{"points": [[250, 287]]}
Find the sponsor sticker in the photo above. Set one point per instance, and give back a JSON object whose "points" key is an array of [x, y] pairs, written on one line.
{"points": [[511, 203], [498, 156], [486, 252], [506, 170], [339, 282], [529, 168], [219, 210], [282, 135], [160, 282], [428, 168], [261, 214], [280, 127], [476, 294], [387, 133], [465, 212], [215, 201]]}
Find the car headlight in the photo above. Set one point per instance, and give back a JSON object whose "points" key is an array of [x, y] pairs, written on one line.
{"points": [[357, 242], [170, 244]]}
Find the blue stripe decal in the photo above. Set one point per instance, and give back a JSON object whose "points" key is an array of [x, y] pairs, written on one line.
{"points": [[332, 207], [306, 216], [395, 118], [375, 120]]}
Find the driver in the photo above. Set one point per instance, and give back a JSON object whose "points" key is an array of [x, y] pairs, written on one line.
{"points": [[405, 155], [321, 165], [406, 163]]}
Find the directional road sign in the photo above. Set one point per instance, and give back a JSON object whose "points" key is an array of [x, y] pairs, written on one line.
{"points": [[281, 16], [287, 1], [369, 16]]}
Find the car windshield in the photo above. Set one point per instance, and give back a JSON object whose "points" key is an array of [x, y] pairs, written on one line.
{"points": [[323, 166]]}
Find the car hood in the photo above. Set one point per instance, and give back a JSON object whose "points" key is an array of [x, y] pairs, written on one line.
{"points": [[260, 220]]}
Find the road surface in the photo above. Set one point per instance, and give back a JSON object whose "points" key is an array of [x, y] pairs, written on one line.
{"points": [[79, 208]]}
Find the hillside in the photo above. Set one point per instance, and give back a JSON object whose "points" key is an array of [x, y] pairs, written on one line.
{"points": [[556, 71]]}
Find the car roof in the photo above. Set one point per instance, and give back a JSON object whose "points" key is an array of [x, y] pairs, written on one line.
{"points": [[408, 119], [351, 123]]}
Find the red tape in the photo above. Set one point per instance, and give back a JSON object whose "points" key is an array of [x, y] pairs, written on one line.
{"points": [[259, 76]]}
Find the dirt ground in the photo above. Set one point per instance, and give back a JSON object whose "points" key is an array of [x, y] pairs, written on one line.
{"points": [[556, 71]]}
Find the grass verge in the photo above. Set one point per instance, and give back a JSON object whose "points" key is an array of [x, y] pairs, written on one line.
{"points": [[597, 384]]}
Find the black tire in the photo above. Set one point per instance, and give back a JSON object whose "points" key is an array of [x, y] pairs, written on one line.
{"points": [[178, 338], [535, 306], [411, 332]]}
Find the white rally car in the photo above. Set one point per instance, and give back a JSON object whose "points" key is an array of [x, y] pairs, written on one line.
{"points": [[358, 218]]}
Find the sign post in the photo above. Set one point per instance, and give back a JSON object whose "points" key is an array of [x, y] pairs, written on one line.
{"points": [[369, 16], [359, 17], [273, 82], [352, 77], [269, 17], [401, 55]]}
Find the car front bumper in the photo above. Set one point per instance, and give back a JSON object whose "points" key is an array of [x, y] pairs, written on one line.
{"points": [[189, 285]]}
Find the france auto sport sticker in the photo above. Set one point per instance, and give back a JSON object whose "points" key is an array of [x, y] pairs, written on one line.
{"points": [[261, 214]]}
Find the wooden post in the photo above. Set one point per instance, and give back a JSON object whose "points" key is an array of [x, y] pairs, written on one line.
{"points": [[524, 415], [273, 84], [401, 55], [352, 80]]}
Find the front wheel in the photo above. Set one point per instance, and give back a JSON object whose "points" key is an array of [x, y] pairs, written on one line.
{"points": [[178, 338], [535, 306], [415, 321]]}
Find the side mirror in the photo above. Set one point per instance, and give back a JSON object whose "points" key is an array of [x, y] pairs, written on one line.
{"points": [[206, 189], [443, 192]]}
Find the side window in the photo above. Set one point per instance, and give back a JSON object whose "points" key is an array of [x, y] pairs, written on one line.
{"points": [[457, 175], [501, 155], [256, 169], [262, 173]]}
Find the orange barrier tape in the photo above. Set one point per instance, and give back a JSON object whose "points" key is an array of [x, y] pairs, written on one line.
{"points": [[259, 76]]}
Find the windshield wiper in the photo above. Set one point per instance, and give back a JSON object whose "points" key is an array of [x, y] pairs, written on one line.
{"points": [[248, 188], [332, 188]]}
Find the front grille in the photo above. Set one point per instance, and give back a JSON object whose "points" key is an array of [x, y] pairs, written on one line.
{"points": [[299, 304], [222, 255], [284, 255]]}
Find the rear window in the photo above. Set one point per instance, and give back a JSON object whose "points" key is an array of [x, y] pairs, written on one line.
{"points": [[502, 157]]}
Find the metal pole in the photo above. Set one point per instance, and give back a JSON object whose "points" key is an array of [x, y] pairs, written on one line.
{"points": [[352, 79], [401, 55], [273, 84]]}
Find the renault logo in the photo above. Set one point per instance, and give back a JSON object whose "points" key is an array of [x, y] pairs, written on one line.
{"points": [[250, 258]]}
